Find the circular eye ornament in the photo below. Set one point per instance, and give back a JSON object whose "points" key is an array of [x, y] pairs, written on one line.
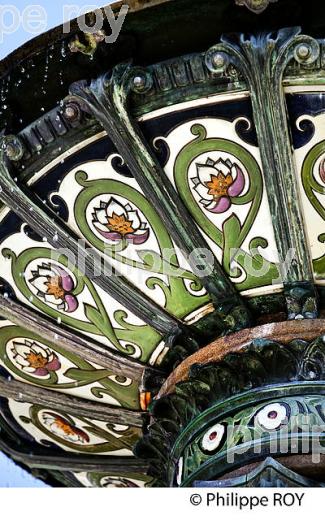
{"points": [[213, 437], [271, 416]]}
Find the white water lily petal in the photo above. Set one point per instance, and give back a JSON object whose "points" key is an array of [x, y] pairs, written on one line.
{"points": [[40, 283], [222, 167], [102, 227], [72, 437], [139, 232], [55, 428], [21, 349], [20, 360], [203, 191], [133, 216], [101, 216], [115, 207], [234, 172], [44, 270], [29, 369], [39, 350], [47, 417], [49, 298], [209, 162], [204, 173], [209, 206]]}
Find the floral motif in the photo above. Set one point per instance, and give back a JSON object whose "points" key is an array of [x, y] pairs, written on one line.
{"points": [[218, 181], [34, 359], [115, 222], [213, 437], [64, 429], [272, 416], [55, 286]]}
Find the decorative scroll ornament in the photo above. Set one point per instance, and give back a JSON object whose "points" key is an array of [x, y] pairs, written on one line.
{"points": [[124, 226], [50, 367], [257, 6], [26, 319], [232, 180], [262, 61], [189, 436], [107, 100], [115, 285]]}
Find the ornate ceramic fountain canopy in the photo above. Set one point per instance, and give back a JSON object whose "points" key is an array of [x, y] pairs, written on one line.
{"points": [[162, 261]]}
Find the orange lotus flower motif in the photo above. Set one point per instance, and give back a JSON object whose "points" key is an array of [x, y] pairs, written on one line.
{"points": [[217, 182], [116, 222], [120, 224], [35, 359], [55, 286], [64, 428]]}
